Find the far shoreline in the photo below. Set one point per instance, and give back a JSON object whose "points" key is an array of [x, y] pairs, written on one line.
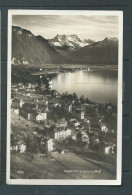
{"points": [[69, 66]]}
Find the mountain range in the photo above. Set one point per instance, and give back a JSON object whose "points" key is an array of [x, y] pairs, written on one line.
{"points": [[33, 50], [63, 43], [29, 49], [101, 52]]}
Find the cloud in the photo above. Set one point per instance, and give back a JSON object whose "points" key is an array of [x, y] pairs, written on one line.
{"points": [[85, 26]]}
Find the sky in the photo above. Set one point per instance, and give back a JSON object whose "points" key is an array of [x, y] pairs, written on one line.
{"points": [[85, 26]]}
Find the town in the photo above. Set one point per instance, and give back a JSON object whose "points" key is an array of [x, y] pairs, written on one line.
{"points": [[45, 123]]}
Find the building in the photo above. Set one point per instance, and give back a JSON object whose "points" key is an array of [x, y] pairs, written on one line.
{"points": [[20, 85], [76, 123], [54, 93], [25, 62], [50, 145], [41, 117], [62, 122], [41, 100], [15, 103], [22, 148], [57, 104], [18, 146], [82, 115], [14, 148], [109, 107], [62, 133], [28, 94], [73, 134], [104, 128], [107, 148], [82, 137], [30, 116], [70, 108], [85, 137], [16, 110], [21, 103]]}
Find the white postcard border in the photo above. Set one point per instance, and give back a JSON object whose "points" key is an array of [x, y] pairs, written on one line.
{"points": [[119, 117]]}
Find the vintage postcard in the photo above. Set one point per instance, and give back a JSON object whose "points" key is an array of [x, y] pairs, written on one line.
{"points": [[64, 123]]}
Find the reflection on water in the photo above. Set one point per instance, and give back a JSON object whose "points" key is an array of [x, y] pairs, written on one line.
{"points": [[99, 86]]}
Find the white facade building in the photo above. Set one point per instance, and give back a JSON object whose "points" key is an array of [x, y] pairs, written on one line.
{"points": [[22, 148], [104, 128], [62, 134], [41, 117], [50, 145], [16, 111]]}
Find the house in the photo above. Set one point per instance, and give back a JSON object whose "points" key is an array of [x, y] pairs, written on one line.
{"points": [[70, 108], [106, 147], [85, 137], [72, 119], [73, 134], [21, 85], [16, 111], [61, 133], [18, 146], [88, 122], [107, 150], [82, 108], [28, 94], [109, 107], [15, 89], [62, 122], [22, 148], [50, 145], [104, 128], [41, 117], [82, 115], [82, 137], [57, 104], [94, 139], [21, 103], [30, 116], [58, 96], [28, 106], [15, 102], [80, 127], [54, 93], [25, 62], [14, 148], [76, 123]]}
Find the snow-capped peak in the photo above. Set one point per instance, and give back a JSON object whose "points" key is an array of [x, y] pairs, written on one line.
{"points": [[71, 41]]}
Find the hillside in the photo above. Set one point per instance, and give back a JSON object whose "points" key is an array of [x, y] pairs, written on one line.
{"points": [[102, 52], [29, 49]]}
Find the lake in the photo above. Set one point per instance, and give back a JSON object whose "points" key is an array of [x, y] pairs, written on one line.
{"points": [[98, 85]]}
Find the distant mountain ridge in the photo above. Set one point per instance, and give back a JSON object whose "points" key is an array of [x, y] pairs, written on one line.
{"points": [[29, 49], [69, 42], [101, 52]]}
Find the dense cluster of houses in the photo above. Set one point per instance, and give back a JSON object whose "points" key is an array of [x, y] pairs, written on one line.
{"points": [[36, 108]]}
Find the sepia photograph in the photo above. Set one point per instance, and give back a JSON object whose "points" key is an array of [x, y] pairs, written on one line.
{"points": [[64, 109]]}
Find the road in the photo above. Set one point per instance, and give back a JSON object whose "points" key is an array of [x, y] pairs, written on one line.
{"points": [[82, 168]]}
